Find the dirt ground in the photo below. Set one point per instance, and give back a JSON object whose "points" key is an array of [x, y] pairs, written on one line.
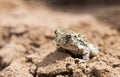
{"points": [[27, 39]]}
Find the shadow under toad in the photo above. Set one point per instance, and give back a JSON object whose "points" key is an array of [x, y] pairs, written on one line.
{"points": [[53, 57]]}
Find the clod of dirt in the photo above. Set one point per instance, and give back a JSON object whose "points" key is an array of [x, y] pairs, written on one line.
{"points": [[15, 70], [77, 73], [18, 31], [9, 52], [102, 70], [58, 68]]}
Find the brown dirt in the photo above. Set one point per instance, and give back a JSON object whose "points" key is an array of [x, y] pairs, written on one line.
{"points": [[27, 40]]}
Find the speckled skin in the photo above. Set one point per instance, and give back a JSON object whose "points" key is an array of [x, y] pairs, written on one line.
{"points": [[75, 43]]}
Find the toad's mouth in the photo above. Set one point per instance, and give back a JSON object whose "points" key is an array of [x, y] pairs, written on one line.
{"points": [[69, 47]]}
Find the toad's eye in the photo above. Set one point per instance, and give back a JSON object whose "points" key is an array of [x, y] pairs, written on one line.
{"points": [[68, 36], [75, 36]]}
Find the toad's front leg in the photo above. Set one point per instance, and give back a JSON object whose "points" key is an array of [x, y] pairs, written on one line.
{"points": [[86, 55]]}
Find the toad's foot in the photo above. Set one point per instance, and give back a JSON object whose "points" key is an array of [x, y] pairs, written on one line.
{"points": [[78, 60]]}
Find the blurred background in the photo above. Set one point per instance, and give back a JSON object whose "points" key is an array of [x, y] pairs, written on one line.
{"points": [[57, 12]]}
